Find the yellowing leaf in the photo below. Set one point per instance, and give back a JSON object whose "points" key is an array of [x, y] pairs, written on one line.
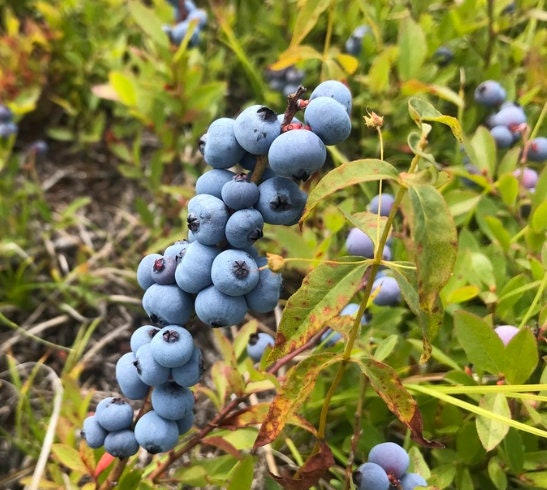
{"points": [[348, 63], [294, 54], [492, 431], [308, 15]]}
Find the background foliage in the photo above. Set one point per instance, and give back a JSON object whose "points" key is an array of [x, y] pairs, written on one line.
{"points": [[122, 111]]}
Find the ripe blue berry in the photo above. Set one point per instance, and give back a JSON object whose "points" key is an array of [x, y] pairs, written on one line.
{"points": [[177, 250], [240, 193], [297, 154], [370, 476], [172, 401], [510, 115], [502, 136], [121, 443], [189, 374], [410, 481], [443, 55], [537, 149], [221, 148], [255, 128], [185, 424], [258, 342], [211, 182], [163, 270], [328, 119], [207, 216], [114, 413], [335, 89], [194, 270], [5, 114], [129, 381], [265, 296], [149, 370], [234, 272], [382, 203], [144, 270], [490, 93], [528, 177], [93, 433], [142, 335], [172, 346], [217, 309], [281, 201], [359, 243], [387, 291], [178, 32], [156, 434], [244, 227], [167, 304], [391, 457]]}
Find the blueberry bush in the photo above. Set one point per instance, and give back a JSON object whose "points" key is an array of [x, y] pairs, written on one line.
{"points": [[265, 245]]}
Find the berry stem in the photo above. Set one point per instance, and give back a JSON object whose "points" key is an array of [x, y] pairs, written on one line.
{"points": [[292, 105], [260, 167]]}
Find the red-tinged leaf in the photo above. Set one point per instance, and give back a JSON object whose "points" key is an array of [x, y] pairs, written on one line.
{"points": [[324, 292], [346, 175], [222, 444], [313, 469], [298, 384], [105, 461], [389, 387]]}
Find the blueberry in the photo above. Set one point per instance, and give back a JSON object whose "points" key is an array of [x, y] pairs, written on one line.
{"points": [[172, 346], [335, 89], [7, 129], [142, 335], [528, 177], [178, 32], [121, 443], [207, 216], [509, 115], [221, 149], [185, 424], [281, 201], [172, 401], [359, 243], [194, 271], [330, 337], [490, 93], [38, 148], [5, 114], [167, 304], [443, 56], [114, 413], [391, 457], [163, 270], [328, 119], [93, 433], [255, 129], [258, 342], [537, 149], [198, 15], [129, 381], [244, 227], [234, 272], [156, 434], [506, 332], [240, 193], [297, 153], [382, 203], [503, 136], [144, 270], [211, 182], [177, 250], [370, 476], [217, 309], [265, 296], [150, 371], [387, 291], [189, 374], [410, 481]]}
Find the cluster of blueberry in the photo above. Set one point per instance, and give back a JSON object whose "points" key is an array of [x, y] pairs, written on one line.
{"points": [[509, 121], [354, 43], [7, 126], [386, 469], [285, 80], [257, 160], [187, 17]]}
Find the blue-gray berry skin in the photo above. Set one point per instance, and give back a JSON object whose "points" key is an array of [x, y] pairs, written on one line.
{"points": [[410, 481], [281, 201], [142, 335], [222, 149], [163, 270], [258, 342], [297, 154], [443, 56], [189, 374], [330, 337], [176, 250], [354, 43], [172, 346], [370, 476], [167, 304], [144, 270], [234, 272], [328, 119], [217, 309], [129, 381], [194, 270], [359, 243], [185, 424], [114, 413], [156, 434], [255, 128], [537, 149], [150, 371], [387, 291], [121, 443], [335, 89], [212, 181], [198, 15], [490, 93], [391, 457], [527, 177], [207, 216], [8, 129], [178, 32], [172, 401], [503, 136], [240, 192], [509, 115], [244, 227], [5, 114], [381, 203], [265, 296], [93, 433]]}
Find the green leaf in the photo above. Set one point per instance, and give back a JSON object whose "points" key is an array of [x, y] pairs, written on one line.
{"points": [[386, 347], [492, 431], [299, 383], [481, 150], [412, 48], [499, 232], [508, 187], [69, 457], [483, 347], [124, 87], [521, 357], [420, 110], [411, 87], [243, 473], [323, 293], [369, 223], [538, 220], [308, 15], [390, 389], [378, 75], [149, 23], [346, 175]]}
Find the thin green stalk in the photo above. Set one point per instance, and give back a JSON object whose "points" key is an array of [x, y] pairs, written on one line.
{"points": [[328, 37]]}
